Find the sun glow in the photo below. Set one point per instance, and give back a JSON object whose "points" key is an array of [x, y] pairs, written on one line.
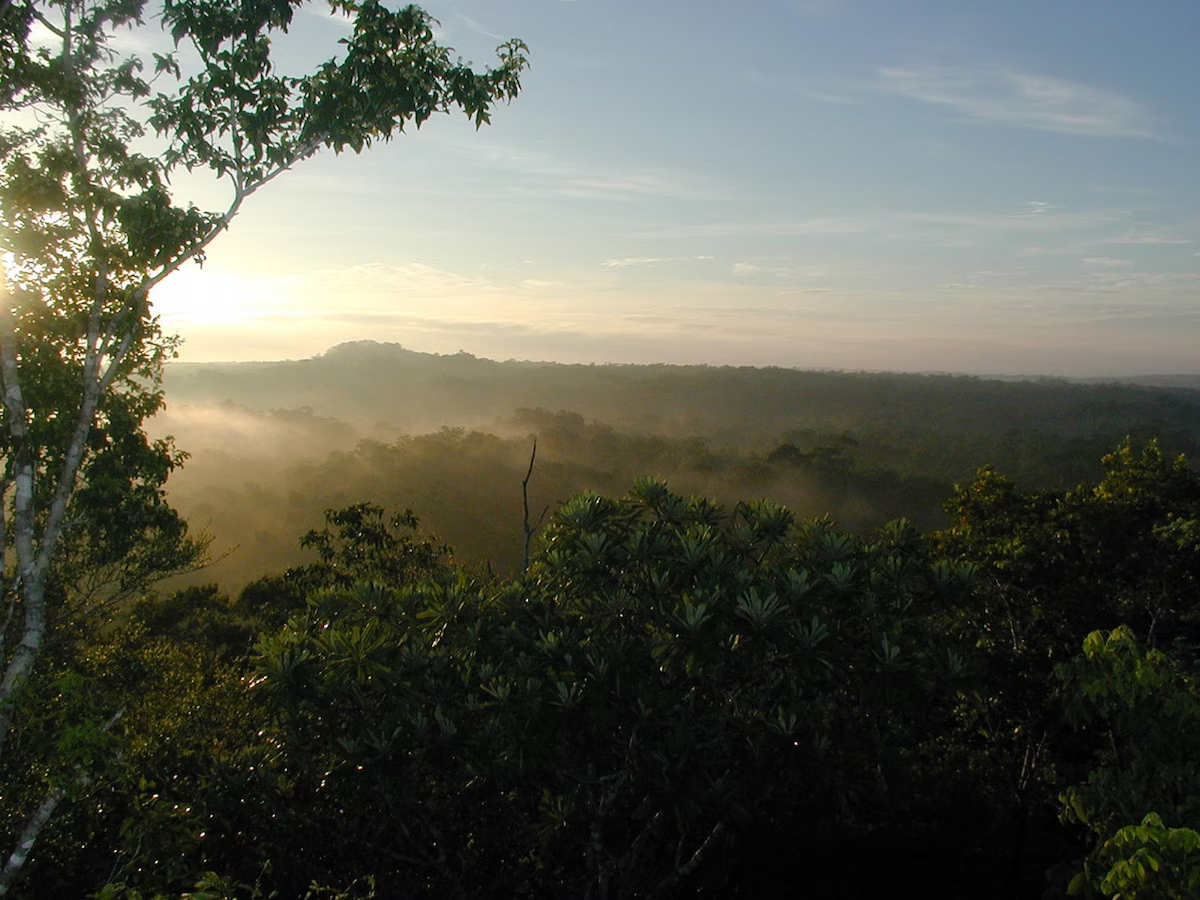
{"points": [[193, 296], [223, 314]]}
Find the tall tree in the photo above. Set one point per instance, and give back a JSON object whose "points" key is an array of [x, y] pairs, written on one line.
{"points": [[89, 224]]}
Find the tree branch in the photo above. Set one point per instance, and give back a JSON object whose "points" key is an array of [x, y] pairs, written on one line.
{"points": [[46, 23], [525, 503], [530, 530], [688, 868], [24, 523], [33, 828], [29, 837]]}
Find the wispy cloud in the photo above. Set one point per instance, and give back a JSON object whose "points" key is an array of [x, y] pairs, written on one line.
{"points": [[412, 277], [1106, 262], [549, 173], [626, 262], [1036, 215], [1173, 290], [630, 261], [479, 28], [1147, 238], [336, 17], [750, 269], [1038, 208], [997, 94], [827, 98], [622, 185], [1038, 218], [829, 226]]}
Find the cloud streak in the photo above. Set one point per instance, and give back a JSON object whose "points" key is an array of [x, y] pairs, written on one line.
{"points": [[1106, 262], [553, 174], [745, 269], [825, 226], [1039, 219], [1004, 96], [1147, 239], [626, 262], [1036, 216]]}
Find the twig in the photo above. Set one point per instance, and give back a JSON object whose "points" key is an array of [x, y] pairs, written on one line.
{"points": [[668, 884], [530, 531], [33, 828]]}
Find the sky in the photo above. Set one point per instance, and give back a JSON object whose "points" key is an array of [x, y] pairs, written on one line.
{"points": [[926, 185]]}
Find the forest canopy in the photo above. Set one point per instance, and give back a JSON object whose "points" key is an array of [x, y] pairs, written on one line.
{"points": [[674, 696]]}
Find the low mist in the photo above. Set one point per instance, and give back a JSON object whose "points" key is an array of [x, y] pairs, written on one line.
{"points": [[274, 445]]}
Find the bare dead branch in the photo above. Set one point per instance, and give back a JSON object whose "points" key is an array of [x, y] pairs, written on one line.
{"points": [[530, 530]]}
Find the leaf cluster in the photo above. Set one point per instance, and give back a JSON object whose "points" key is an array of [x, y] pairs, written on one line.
{"points": [[666, 674]]}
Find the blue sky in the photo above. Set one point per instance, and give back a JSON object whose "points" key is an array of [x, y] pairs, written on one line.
{"points": [[856, 184]]}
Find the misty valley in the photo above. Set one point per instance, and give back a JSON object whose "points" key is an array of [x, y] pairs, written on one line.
{"points": [[273, 445]]}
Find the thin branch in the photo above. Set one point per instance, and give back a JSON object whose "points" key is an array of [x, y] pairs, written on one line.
{"points": [[94, 389], [222, 224], [530, 530], [33, 828], [629, 859], [114, 584], [525, 503], [53, 29], [24, 524], [29, 837], [10, 609], [668, 884], [119, 324], [7, 597]]}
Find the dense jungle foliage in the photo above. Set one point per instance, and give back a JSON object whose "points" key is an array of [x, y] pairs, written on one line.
{"points": [[678, 697]]}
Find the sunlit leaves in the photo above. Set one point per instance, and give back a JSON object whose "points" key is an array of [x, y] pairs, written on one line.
{"points": [[1147, 707], [360, 544], [241, 118], [1148, 860]]}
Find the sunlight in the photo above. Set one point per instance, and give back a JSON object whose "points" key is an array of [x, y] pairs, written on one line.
{"points": [[193, 296]]}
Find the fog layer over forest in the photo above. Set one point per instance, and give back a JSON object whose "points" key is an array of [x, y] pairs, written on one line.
{"points": [[274, 444]]}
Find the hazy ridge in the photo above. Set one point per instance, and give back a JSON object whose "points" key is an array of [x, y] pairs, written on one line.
{"points": [[367, 383], [275, 443]]}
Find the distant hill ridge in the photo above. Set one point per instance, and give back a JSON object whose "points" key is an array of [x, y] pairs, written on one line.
{"points": [[366, 383]]}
